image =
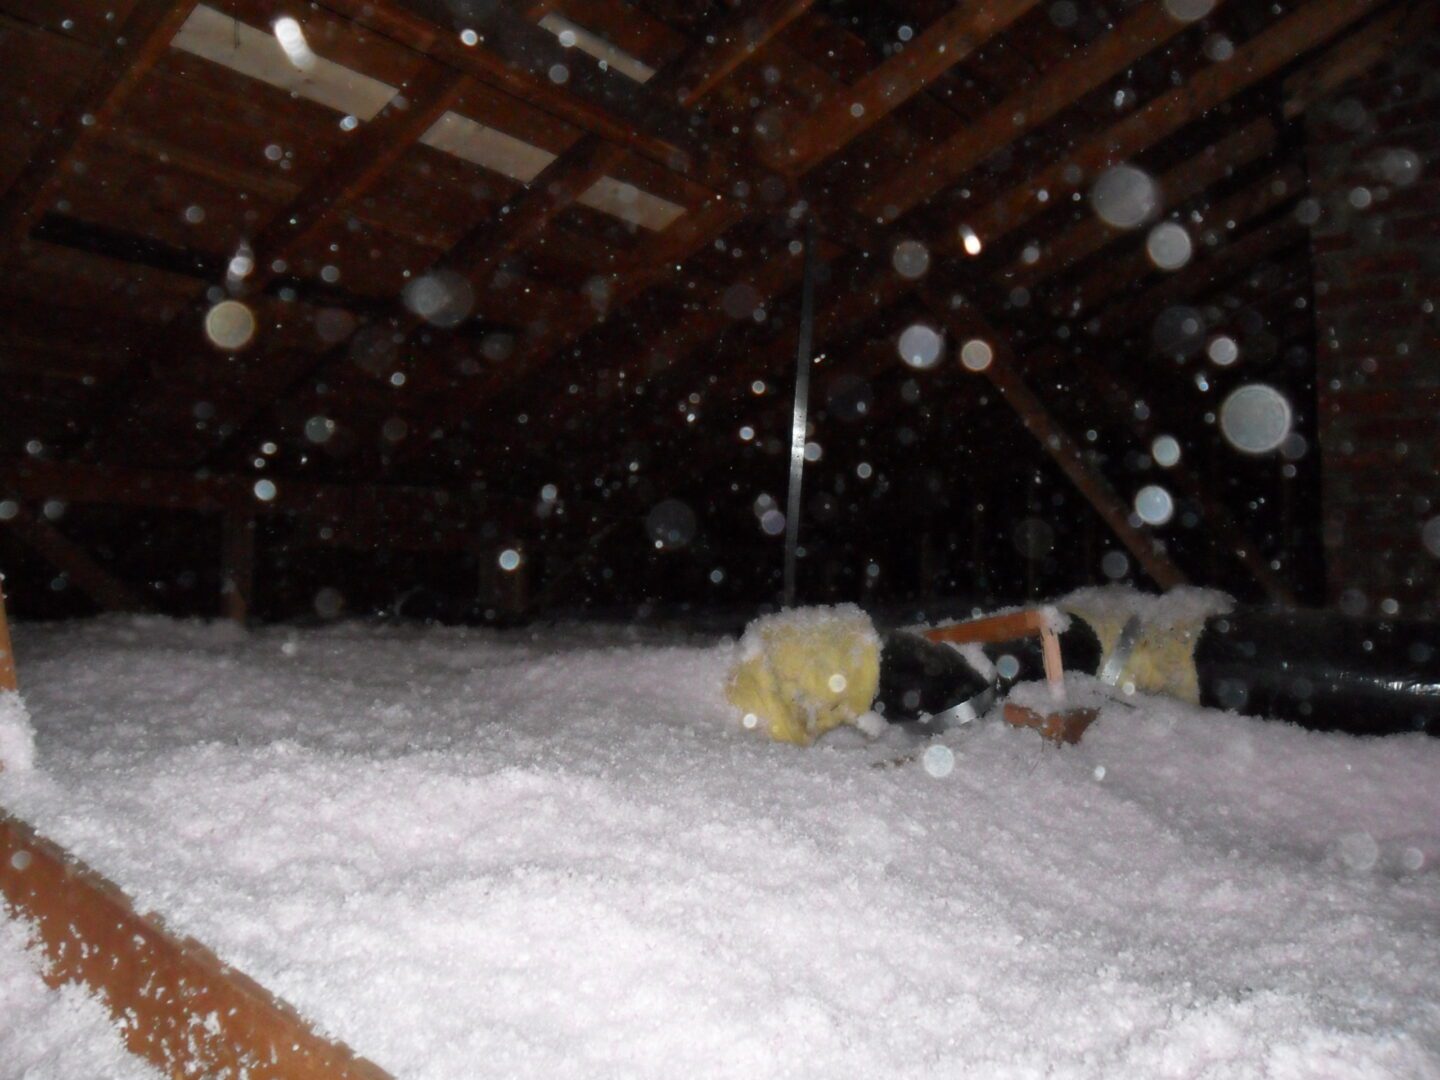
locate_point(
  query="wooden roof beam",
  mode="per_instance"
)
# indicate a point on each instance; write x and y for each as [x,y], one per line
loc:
[1202,274]
[1122,272]
[1177,187]
[1116,397]
[1306,28]
[941,167]
[830,128]
[60,551]
[1057,442]
[517,56]
[570,175]
[137,46]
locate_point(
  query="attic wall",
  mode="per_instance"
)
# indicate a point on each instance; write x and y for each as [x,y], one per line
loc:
[1374,158]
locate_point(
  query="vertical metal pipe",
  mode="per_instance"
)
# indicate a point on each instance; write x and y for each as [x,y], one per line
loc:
[799,416]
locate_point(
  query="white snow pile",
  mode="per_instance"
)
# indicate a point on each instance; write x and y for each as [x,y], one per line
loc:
[558,855]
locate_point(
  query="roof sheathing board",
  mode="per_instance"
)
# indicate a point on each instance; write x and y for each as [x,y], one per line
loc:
[236,45]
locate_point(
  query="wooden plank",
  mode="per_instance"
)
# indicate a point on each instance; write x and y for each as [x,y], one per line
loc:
[1149,27]
[1118,399]
[94,580]
[1260,57]
[177,1004]
[237,564]
[1134,268]
[516,56]
[1355,55]
[1181,184]
[1236,257]
[135,48]
[947,41]
[1063,449]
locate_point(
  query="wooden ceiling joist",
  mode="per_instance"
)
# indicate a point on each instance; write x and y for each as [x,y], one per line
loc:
[136,47]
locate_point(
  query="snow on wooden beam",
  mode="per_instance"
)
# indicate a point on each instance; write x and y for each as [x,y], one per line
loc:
[137,45]
[176,1003]
[55,547]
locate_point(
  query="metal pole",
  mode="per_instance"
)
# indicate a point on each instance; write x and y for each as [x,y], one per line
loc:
[800,415]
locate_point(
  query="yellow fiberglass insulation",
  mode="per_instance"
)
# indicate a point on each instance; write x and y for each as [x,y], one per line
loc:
[805,671]
[1163,658]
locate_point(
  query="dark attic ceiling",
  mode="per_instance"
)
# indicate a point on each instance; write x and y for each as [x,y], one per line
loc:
[534,268]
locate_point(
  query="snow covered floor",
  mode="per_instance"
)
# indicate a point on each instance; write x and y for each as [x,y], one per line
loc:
[469,854]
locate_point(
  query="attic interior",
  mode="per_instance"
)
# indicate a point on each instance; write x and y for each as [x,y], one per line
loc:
[482,311]
[599,330]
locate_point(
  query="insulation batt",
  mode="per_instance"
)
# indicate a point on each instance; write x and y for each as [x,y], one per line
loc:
[558,854]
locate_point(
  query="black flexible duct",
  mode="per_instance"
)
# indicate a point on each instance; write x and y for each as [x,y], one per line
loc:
[1315,668]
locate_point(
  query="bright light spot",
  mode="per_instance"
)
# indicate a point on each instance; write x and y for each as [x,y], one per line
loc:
[319,429]
[813,451]
[837,683]
[1031,255]
[1166,451]
[670,525]
[911,259]
[549,493]
[1115,565]
[920,346]
[750,720]
[265,490]
[1359,851]
[1430,534]
[1189,10]
[1007,667]
[559,73]
[1222,350]
[939,761]
[1255,418]
[241,263]
[1168,246]
[469,38]
[229,325]
[857,110]
[1124,197]
[442,299]
[1399,166]
[773,522]
[194,215]
[349,123]
[9,509]
[1099,772]
[864,472]
[970,241]
[757,387]
[976,354]
[567,39]
[509,560]
[1218,48]
[1153,505]
[747,433]
[292,41]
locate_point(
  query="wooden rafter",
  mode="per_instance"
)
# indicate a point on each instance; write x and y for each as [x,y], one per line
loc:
[136,47]
[531,210]
[1062,448]
[356,170]
[177,1005]
[59,550]
[1177,187]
